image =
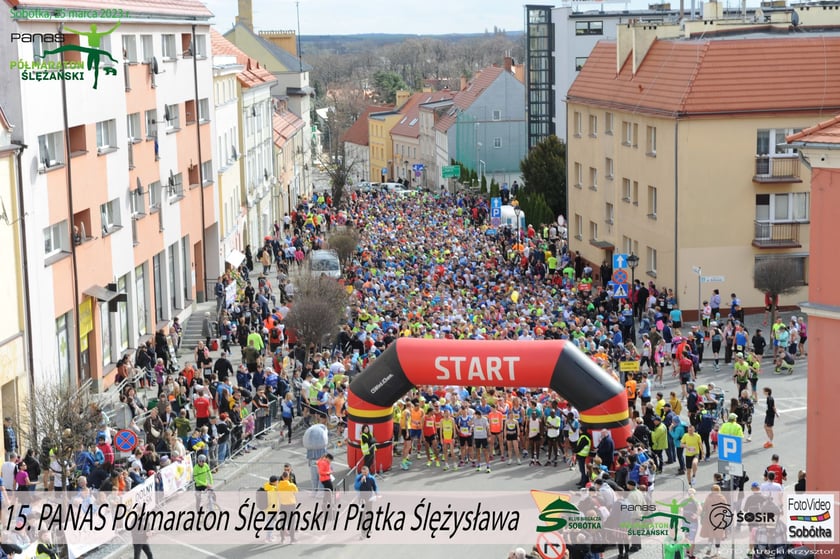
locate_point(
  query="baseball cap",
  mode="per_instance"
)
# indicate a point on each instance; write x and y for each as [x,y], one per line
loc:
[755,485]
[739,354]
[733,416]
[657,418]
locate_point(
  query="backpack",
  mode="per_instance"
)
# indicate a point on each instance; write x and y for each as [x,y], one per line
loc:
[262,498]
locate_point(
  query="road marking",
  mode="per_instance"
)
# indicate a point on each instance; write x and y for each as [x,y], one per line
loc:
[203,552]
[793,409]
[258,477]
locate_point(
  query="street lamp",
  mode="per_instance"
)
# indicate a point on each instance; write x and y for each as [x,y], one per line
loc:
[633,261]
[516,212]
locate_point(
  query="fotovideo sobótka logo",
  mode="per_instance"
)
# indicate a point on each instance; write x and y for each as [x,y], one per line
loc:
[811,518]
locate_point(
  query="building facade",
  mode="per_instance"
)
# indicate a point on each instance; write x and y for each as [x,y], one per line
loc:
[15,357]
[289,140]
[121,218]
[685,169]
[406,137]
[356,143]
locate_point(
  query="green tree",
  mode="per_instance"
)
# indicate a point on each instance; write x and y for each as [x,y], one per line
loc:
[536,209]
[544,172]
[484,184]
[387,84]
[494,189]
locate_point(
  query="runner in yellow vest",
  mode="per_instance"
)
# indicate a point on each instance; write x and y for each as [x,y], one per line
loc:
[447,438]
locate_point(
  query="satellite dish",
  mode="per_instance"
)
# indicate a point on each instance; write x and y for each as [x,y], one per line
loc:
[794,18]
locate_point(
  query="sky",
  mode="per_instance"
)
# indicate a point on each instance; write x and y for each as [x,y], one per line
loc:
[348,17]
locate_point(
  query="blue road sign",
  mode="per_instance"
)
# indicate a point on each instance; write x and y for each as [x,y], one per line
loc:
[620,291]
[729,448]
[385,171]
[125,440]
[417,167]
[619,261]
[495,207]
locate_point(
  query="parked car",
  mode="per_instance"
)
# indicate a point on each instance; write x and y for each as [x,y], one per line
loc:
[325,263]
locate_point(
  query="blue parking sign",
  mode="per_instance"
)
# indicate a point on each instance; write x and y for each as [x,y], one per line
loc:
[729,448]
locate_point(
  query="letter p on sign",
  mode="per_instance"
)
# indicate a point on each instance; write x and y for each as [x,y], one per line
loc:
[729,448]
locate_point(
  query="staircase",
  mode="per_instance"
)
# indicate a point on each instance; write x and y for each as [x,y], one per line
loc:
[191,331]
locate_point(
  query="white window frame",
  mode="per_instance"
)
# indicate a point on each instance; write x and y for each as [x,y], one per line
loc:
[497,142]
[174,122]
[593,126]
[794,201]
[609,123]
[625,189]
[106,135]
[54,145]
[651,261]
[497,114]
[578,116]
[609,213]
[578,175]
[137,203]
[651,141]
[593,178]
[111,216]
[151,124]
[578,226]
[38,51]
[155,196]
[579,62]
[204,110]
[105,330]
[129,45]
[593,230]
[653,201]
[133,127]
[58,237]
[200,46]
[609,168]
[207,172]
[176,192]
[147,48]
[168,47]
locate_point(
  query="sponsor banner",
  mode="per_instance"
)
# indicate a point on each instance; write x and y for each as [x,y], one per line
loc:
[544,518]
[176,476]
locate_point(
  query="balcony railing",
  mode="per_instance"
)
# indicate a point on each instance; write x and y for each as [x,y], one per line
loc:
[776,234]
[777,168]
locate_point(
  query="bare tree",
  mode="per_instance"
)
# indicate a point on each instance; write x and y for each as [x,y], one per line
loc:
[339,170]
[319,307]
[776,277]
[344,244]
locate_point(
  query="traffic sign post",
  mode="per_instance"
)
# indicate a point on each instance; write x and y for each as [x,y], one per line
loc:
[729,448]
[495,211]
[619,276]
[621,290]
[125,440]
[619,261]
[450,171]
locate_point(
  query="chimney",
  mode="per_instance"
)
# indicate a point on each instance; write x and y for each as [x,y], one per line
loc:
[464,83]
[508,64]
[402,97]
[246,14]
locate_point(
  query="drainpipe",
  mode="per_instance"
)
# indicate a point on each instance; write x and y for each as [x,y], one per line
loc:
[27,307]
[200,167]
[73,262]
[676,203]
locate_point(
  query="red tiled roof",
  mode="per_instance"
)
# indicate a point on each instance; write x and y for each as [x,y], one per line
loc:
[285,125]
[409,125]
[826,132]
[253,74]
[463,99]
[679,77]
[358,133]
[193,8]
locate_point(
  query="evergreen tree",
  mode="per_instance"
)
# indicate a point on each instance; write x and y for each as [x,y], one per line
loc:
[544,172]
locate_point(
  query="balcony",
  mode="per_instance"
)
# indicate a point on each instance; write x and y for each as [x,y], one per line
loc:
[776,235]
[777,169]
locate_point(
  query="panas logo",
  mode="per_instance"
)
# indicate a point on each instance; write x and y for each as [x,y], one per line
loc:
[94,53]
[810,518]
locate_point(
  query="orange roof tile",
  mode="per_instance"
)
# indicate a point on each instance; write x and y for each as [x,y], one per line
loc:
[463,99]
[695,77]
[193,8]
[285,125]
[253,74]
[826,132]
[359,131]
[409,125]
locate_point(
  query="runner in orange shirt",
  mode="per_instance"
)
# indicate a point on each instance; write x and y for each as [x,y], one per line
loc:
[497,420]
[415,432]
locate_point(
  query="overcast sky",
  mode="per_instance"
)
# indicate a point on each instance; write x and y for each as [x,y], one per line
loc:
[348,17]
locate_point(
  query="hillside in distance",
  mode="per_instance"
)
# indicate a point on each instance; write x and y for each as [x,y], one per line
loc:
[347,44]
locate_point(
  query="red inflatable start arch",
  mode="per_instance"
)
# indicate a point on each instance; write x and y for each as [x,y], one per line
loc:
[410,362]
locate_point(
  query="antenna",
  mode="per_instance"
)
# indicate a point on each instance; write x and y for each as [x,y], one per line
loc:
[300,52]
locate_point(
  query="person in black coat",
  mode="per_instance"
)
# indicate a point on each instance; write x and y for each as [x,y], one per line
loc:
[606,449]
[33,468]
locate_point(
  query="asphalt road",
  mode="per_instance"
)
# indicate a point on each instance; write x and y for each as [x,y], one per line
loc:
[251,470]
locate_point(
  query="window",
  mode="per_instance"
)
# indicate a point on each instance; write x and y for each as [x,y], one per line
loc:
[154,196]
[578,227]
[122,311]
[578,124]
[172,116]
[129,44]
[207,172]
[593,231]
[142,300]
[497,114]
[578,175]
[609,122]
[167,46]
[609,213]
[793,206]
[105,320]
[651,261]
[626,245]
[799,265]
[652,202]
[635,193]
[78,140]
[201,46]
[651,140]
[609,168]
[189,112]
[56,239]
[593,178]
[62,339]
[157,279]
[204,110]
[38,50]
[110,213]
[186,45]
[176,187]
[772,141]
[589,28]
[106,135]
[51,150]
[132,122]
[151,124]
[105,44]
[148,49]
[497,142]
[593,125]
[630,133]
[579,62]
[625,189]
[137,202]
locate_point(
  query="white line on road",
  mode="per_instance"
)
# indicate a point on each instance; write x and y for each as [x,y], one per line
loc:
[203,552]
[258,477]
[793,409]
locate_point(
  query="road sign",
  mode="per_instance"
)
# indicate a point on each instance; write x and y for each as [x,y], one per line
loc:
[125,440]
[450,171]
[495,207]
[632,366]
[619,261]
[621,290]
[385,171]
[417,167]
[712,279]
[729,448]
[619,276]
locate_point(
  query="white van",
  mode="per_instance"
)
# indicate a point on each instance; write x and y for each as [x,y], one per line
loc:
[325,263]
